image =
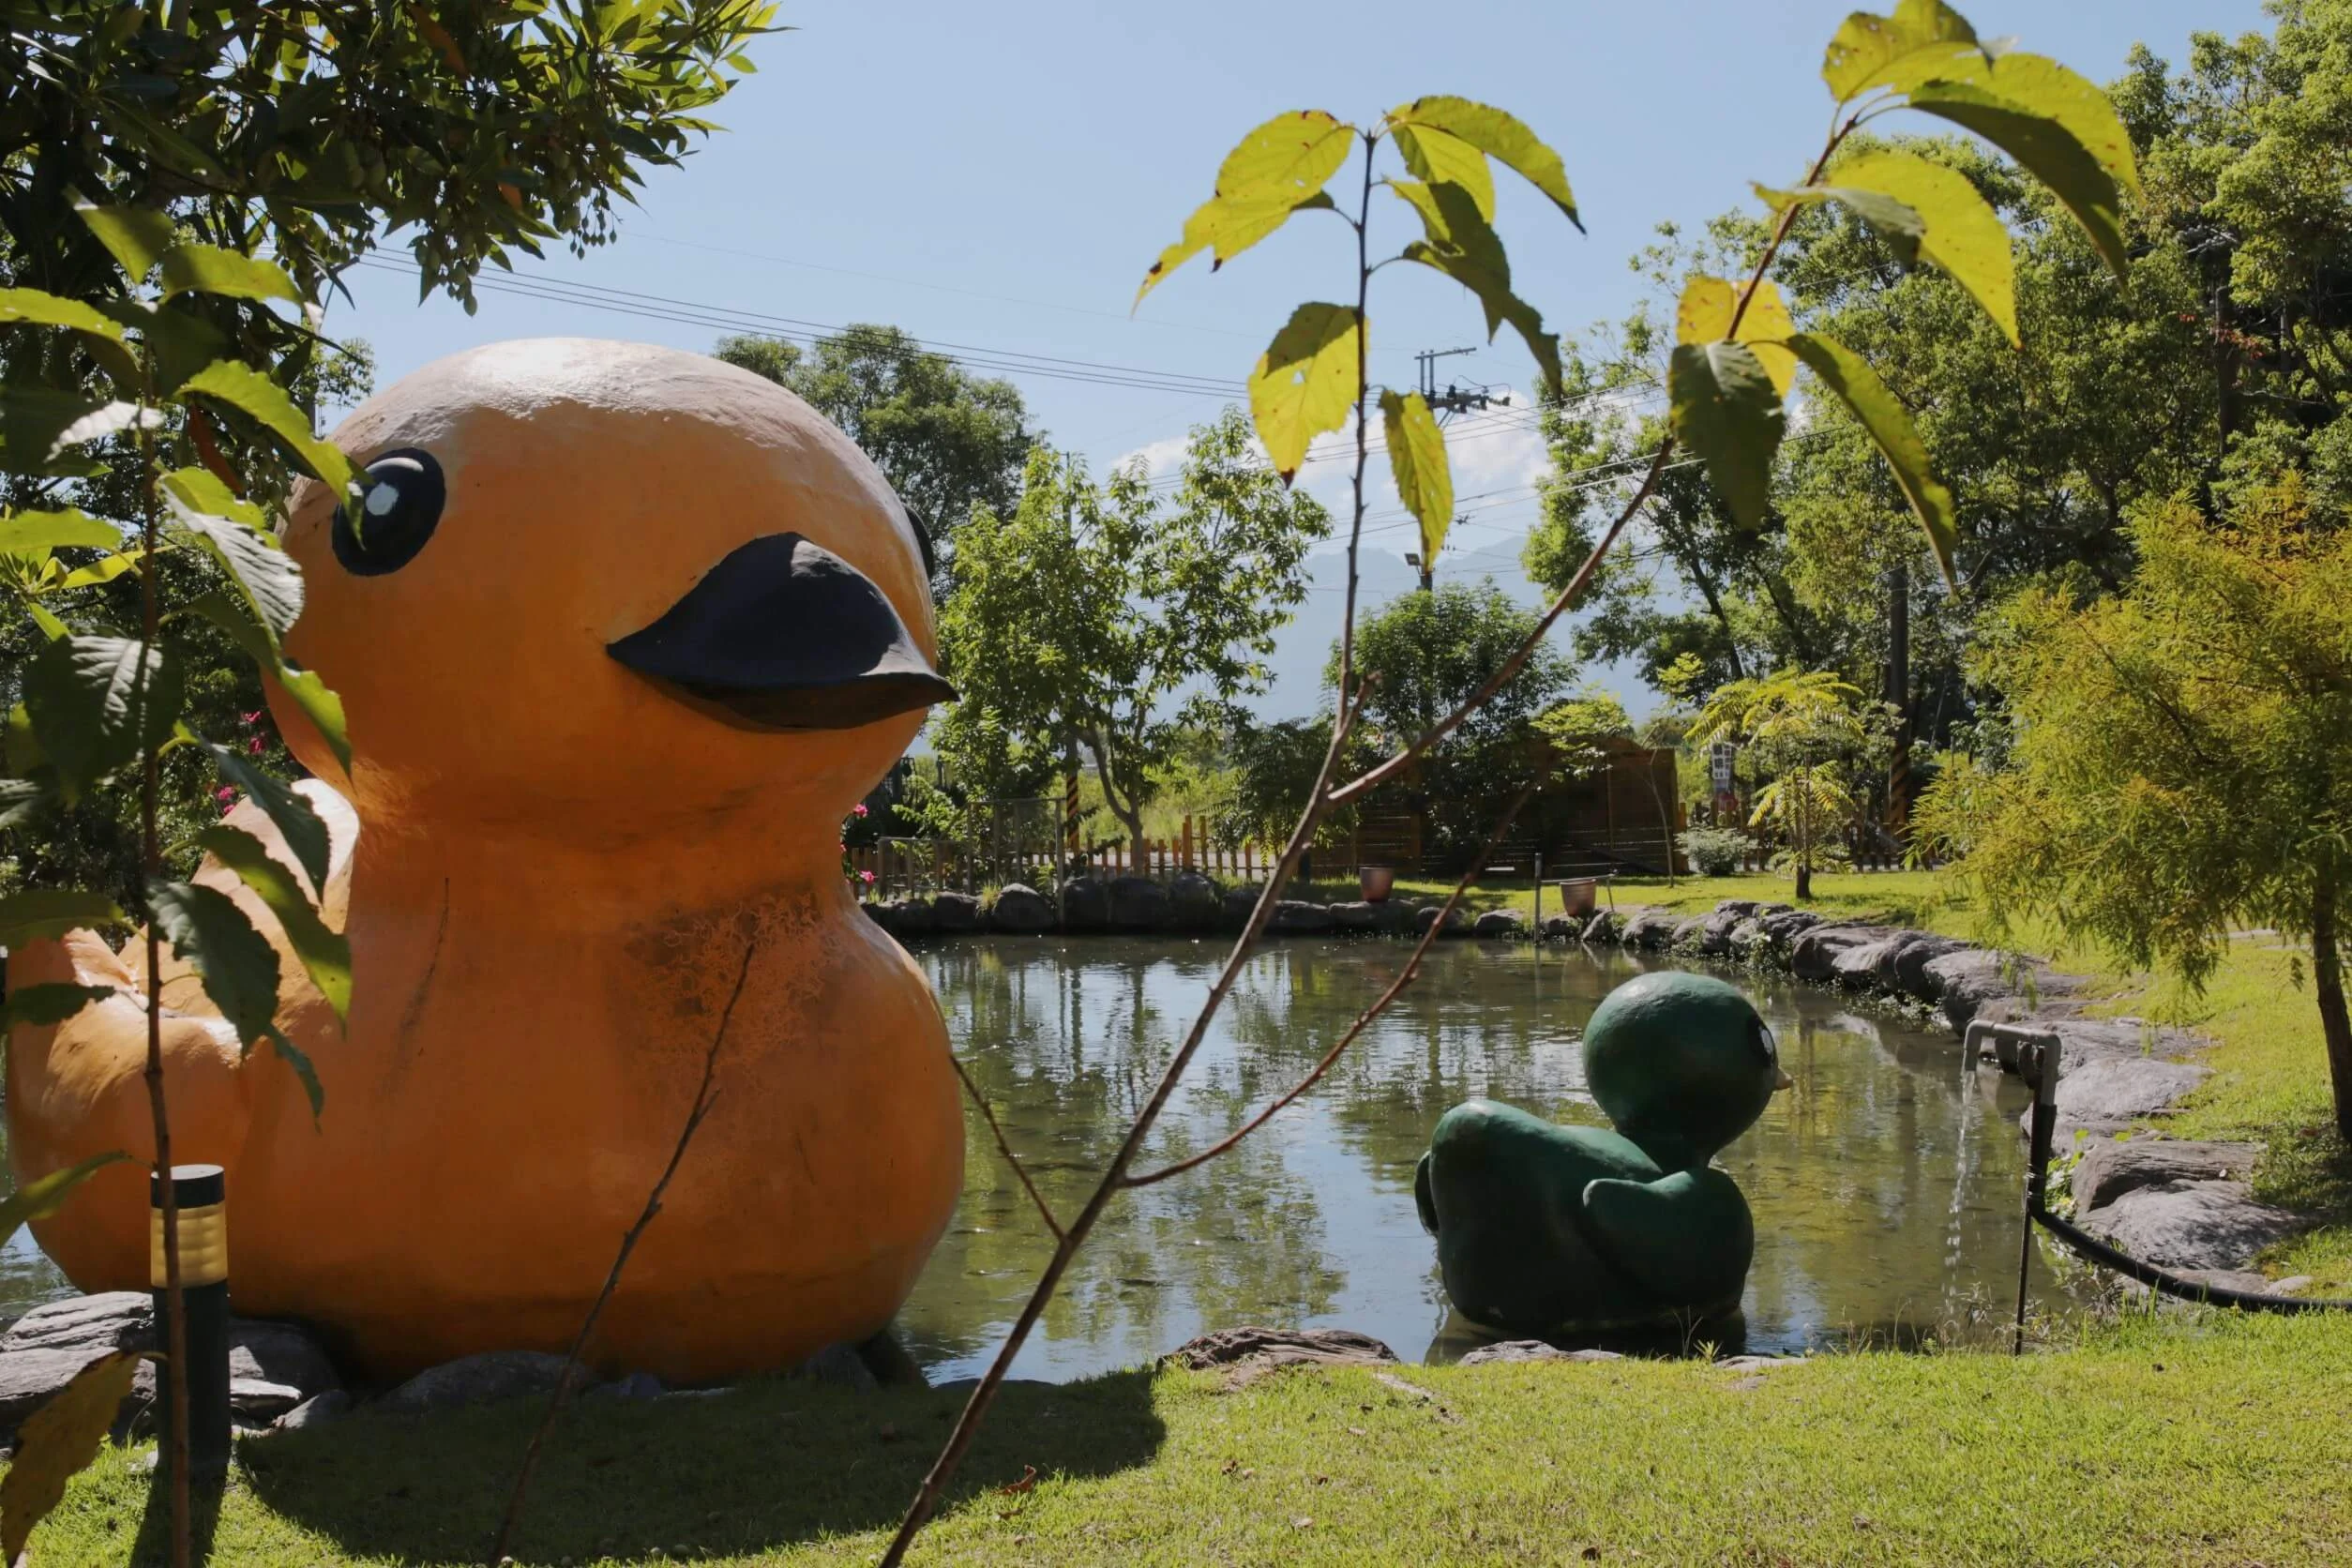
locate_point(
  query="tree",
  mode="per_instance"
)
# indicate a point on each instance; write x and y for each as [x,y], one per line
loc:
[2182,755]
[1424,654]
[1807,734]
[1078,619]
[947,440]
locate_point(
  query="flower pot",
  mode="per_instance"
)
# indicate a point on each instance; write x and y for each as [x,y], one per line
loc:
[1575,895]
[1376,882]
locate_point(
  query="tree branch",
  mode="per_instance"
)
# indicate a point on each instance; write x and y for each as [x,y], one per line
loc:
[1364,1019]
[706,1096]
[1005,1149]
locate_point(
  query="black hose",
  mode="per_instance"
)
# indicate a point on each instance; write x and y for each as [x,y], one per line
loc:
[2088,1246]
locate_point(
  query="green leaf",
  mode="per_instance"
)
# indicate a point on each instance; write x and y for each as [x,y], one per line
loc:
[1704,316]
[1461,244]
[2038,86]
[1724,409]
[36,532]
[137,236]
[51,911]
[39,1199]
[199,490]
[26,758]
[1844,372]
[105,570]
[39,426]
[179,345]
[317,701]
[1499,135]
[325,954]
[2045,150]
[18,798]
[208,269]
[1278,169]
[1305,382]
[264,574]
[95,704]
[58,1441]
[34,308]
[1953,226]
[1866,48]
[1434,157]
[239,967]
[1417,459]
[1898,225]
[305,833]
[245,389]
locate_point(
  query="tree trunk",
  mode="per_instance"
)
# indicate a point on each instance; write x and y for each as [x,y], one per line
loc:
[1804,878]
[1898,693]
[2335,1026]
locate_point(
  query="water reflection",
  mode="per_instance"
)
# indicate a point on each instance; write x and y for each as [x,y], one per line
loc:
[1885,1186]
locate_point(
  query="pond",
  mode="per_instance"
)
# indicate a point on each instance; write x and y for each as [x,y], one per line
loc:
[1885,1185]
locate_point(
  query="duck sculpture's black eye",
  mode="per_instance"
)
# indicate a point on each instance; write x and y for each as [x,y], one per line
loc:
[394,513]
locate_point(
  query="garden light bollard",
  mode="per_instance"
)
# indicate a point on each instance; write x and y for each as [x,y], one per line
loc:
[2038,1056]
[203,1193]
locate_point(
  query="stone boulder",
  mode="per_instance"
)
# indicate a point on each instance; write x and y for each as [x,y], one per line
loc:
[1456,923]
[478,1379]
[1813,956]
[1137,904]
[838,1367]
[1021,910]
[1738,909]
[1563,928]
[1192,902]
[1784,926]
[1971,979]
[1604,926]
[1511,1351]
[1503,924]
[2107,1096]
[1355,915]
[1688,933]
[1748,941]
[1234,912]
[904,917]
[1651,929]
[273,1367]
[1085,903]
[317,1410]
[1297,917]
[1857,968]
[2112,1167]
[1269,1348]
[2191,1225]
[1717,931]
[1903,958]
[955,912]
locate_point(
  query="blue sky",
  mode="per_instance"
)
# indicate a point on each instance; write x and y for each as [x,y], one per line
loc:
[998,179]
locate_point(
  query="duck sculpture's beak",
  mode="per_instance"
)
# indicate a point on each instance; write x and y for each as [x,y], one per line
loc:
[783,634]
[1781,1081]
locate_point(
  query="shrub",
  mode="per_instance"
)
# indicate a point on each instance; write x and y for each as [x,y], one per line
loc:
[1715,851]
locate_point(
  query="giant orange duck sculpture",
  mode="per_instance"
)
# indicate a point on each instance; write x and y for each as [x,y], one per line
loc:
[622,633]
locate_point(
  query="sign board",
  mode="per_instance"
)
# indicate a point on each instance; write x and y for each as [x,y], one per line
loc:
[1719,760]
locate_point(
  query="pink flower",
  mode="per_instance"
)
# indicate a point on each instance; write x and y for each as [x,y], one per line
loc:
[858,810]
[249,720]
[256,745]
[227,797]
[866,877]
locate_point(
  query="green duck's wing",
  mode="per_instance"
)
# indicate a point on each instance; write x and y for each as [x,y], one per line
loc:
[1687,1238]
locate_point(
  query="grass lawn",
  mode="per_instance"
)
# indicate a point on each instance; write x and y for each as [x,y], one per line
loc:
[2178,1444]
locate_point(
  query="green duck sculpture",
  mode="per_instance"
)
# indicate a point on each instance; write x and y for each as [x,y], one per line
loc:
[1548,1231]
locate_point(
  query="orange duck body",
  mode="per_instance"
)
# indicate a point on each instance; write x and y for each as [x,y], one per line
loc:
[609,703]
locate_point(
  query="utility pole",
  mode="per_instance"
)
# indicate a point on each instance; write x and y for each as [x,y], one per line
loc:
[1453,399]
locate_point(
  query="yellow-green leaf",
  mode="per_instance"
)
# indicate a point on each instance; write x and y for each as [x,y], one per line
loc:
[51,911]
[39,1199]
[36,308]
[58,1442]
[1435,158]
[136,236]
[1499,135]
[1844,372]
[1866,48]
[2046,151]
[1898,225]
[1704,316]
[1305,382]
[245,389]
[29,533]
[1959,232]
[1277,169]
[1461,244]
[325,955]
[208,269]
[1724,409]
[1417,460]
[2038,86]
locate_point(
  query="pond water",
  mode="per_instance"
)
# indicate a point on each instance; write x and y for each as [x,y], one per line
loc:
[1885,1185]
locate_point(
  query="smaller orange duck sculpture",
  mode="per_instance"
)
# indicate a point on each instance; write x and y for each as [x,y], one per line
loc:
[622,633]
